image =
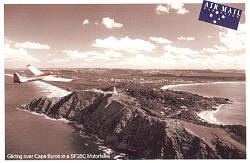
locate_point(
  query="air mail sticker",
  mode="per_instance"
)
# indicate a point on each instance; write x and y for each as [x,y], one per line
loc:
[220,14]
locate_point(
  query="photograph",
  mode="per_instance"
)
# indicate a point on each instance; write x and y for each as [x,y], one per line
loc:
[145,81]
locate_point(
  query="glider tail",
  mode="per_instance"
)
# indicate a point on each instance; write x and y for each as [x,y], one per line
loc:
[17,78]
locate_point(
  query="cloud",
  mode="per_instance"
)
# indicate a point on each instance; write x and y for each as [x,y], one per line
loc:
[92,55]
[209,36]
[110,23]
[17,57]
[112,54]
[172,58]
[180,61]
[32,45]
[85,22]
[17,54]
[7,41]
[234,40]
[181,58]
[215,49]
[124,44]
[179,7]
[74,54]
[160,9]
[160,40]
[186,38]
[176,6]
[58,60]
[184,51]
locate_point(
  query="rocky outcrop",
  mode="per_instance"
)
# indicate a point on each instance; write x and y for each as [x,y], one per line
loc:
[121,121]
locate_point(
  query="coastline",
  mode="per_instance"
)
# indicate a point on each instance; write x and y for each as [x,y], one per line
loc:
[44,116]
[178,85]
[207,115]
[190,84]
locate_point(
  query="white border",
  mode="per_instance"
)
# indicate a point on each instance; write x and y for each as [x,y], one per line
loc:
[112,1]
[2,99]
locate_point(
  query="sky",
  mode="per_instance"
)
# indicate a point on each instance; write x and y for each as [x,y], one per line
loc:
[150,36]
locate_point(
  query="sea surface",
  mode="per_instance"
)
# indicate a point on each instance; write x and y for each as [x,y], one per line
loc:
[234,113]
[29,133]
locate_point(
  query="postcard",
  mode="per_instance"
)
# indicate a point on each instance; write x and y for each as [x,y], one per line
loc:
[125,81]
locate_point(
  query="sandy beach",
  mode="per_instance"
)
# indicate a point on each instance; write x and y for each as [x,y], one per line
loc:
[192,84]
[179,85]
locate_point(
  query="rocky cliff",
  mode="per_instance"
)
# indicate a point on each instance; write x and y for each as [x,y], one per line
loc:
[128,125]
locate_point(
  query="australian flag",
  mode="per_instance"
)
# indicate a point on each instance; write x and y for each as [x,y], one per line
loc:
[219,14]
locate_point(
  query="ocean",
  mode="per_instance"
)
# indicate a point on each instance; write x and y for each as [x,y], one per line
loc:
[234,113]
